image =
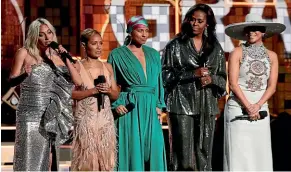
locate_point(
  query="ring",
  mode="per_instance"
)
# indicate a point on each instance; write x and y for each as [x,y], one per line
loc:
[205,82]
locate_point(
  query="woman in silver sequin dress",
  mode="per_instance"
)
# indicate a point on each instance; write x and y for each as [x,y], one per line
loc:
[94,144]
[44,114]
[253,73]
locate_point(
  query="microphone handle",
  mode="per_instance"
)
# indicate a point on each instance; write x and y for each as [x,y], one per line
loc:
[102,101]
[66,55]
[247,117]
[243,117]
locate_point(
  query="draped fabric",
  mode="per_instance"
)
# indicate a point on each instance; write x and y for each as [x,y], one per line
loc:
[140,137]
[43,117]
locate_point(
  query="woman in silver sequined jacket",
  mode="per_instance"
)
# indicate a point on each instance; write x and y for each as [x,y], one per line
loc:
[44,114]
[194,76]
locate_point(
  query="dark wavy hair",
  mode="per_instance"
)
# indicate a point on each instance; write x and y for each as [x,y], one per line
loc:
[187,30]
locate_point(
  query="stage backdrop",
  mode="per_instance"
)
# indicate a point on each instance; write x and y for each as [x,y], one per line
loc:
[109,17]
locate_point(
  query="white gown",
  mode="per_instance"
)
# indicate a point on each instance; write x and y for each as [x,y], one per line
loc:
[247,145]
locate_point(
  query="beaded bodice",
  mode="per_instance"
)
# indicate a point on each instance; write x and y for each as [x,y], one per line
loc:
[254,68]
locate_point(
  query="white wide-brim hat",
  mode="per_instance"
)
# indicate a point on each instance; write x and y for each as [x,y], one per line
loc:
[236,30]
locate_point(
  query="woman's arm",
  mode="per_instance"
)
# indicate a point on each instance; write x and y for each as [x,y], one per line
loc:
[233,74]
[218,80]
[160,88]
[171,75]
[15,76]
[74,69]
[272,81]
[82,94]
[114,90]
[75,74]
[119,104]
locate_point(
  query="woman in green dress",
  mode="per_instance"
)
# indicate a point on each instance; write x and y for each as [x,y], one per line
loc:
[137,69]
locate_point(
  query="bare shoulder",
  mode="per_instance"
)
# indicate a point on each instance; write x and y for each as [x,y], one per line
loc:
[236,53]
[84,63]
[237,50]
[77,66]
[21,53]
[18,62]
[109,67]
[272,55]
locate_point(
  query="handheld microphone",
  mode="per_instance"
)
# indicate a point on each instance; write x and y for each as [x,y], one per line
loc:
[130,107]
[64,55]
[262,114]
[101,79]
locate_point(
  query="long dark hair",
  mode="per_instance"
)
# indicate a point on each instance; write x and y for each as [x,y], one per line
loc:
[187,30]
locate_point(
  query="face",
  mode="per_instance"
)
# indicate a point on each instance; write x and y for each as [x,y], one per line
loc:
[94,46]
[254,34]
[45,36]
[198,22]
[140,35]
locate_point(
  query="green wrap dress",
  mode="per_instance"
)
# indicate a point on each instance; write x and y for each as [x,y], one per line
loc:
[139,132]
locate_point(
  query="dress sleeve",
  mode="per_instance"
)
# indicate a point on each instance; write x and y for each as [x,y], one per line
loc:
[160,88]
[219,79]
[170,72]
[122,99]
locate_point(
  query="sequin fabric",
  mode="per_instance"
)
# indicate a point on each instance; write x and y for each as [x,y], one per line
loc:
[187,99]
[254,68]
[43,117]
[183,92]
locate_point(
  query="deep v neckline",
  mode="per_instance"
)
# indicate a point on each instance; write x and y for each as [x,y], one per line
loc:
[89,74]
[199,52]
[144,70]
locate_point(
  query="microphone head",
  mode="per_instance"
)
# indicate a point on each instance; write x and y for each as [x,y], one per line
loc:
[130,106]
[263,114]
[54,45]
[101,79]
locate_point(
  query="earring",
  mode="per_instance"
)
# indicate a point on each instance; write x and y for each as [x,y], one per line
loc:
[85,51]
[130,40]
[205,32]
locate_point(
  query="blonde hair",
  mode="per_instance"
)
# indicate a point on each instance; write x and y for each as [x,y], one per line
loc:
[86,34]
[33,35]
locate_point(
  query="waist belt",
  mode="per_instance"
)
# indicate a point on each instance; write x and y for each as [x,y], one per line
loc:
[140,88]
[133,89]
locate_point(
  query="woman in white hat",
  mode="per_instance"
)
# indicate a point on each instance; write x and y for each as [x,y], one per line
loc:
[253,73]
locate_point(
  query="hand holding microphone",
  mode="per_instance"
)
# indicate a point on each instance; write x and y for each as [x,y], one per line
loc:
[64,54]
[121,110]
[246,116]
[103,88]
[101,85]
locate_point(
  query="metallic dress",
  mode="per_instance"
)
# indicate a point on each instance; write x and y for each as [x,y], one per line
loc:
[43,118]
[192,108]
